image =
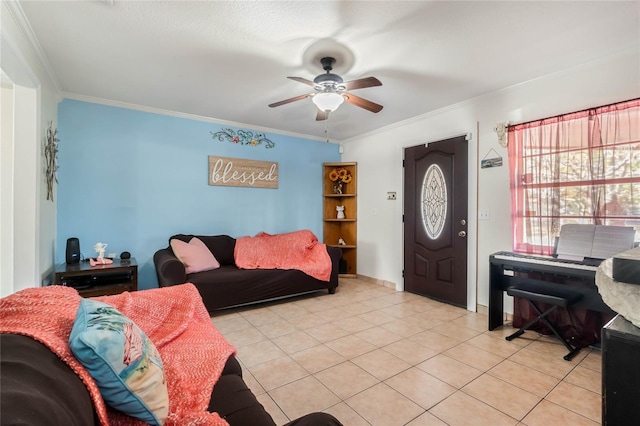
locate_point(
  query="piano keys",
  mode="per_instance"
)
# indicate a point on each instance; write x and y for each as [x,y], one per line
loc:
[507,269]
[551,262]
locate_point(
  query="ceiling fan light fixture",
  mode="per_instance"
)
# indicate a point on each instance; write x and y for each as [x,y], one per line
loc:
[330,91]
[327,101]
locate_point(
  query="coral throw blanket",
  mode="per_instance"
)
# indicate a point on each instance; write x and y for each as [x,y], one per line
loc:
[294,250]
[193,351]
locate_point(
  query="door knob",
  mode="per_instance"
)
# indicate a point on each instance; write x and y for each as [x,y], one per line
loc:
[462,234]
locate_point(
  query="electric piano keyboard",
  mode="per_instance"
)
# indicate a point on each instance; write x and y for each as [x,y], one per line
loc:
[507,269]
[587,265]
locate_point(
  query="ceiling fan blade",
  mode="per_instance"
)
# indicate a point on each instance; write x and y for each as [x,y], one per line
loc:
[362,103]
[322,115]
[361,83]
[286,101]
[303,81]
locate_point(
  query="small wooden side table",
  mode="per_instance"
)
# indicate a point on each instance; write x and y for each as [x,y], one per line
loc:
[102,280]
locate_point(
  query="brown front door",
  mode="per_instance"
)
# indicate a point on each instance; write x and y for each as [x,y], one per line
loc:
[435,220]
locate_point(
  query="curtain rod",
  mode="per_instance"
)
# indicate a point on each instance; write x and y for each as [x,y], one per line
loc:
[574,112]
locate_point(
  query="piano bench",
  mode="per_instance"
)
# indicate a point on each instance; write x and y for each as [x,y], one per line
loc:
[557,297]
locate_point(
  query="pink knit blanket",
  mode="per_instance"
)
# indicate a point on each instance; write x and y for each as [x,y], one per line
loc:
[193,351]
[295,250]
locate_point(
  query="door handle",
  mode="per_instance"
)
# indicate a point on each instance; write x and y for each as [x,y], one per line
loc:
[462,234]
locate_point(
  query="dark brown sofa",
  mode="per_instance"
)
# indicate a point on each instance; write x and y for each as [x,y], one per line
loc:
[229,286]
[38,388]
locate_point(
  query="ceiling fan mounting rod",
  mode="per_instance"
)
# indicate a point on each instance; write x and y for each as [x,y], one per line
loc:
[328,81]
[327,63]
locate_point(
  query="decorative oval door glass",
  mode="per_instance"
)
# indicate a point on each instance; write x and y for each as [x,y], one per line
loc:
[434,201]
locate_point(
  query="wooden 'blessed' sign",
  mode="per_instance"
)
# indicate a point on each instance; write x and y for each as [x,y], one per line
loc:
[226,171]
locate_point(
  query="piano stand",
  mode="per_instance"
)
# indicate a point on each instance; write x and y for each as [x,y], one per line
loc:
[557,297]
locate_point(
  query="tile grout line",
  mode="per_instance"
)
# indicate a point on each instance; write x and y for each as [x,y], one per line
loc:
[377,300]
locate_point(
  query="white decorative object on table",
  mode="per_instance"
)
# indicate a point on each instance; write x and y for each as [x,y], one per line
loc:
[340,210]
[100,248]
[623,298]
[341,242]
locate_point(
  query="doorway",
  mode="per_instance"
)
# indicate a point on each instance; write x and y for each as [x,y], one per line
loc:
[435,220]
[19,174]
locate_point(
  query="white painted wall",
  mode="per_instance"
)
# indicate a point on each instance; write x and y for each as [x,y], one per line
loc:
[6,188]
[379,156]
[34,103]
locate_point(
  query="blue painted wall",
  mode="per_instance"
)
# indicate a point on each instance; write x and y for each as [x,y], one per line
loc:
[132,179]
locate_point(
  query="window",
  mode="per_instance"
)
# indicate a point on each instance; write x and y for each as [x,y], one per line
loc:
[582,167]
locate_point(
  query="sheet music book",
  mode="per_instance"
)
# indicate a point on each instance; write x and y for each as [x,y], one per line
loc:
[597,241]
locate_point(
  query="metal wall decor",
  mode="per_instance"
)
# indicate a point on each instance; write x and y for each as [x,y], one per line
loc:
[51,159]
[243,137]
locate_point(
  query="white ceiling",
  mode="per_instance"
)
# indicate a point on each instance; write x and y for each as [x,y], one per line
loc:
[228,60]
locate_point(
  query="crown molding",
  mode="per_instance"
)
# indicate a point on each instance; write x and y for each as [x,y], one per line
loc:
[16,12]
[125,105]
[567,71]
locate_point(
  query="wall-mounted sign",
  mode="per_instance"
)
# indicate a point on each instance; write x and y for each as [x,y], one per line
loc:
[496,161]
[226,171]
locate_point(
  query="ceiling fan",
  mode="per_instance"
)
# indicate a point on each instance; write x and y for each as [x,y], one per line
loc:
[331,91]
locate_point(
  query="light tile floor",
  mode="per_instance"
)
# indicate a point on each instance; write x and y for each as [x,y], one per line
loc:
[372,356]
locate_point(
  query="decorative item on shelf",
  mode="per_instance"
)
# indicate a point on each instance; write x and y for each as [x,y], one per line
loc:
[243,137]
[51,159]
[501,130]
[341,242]
[339,176]
[100,248]
[340,210]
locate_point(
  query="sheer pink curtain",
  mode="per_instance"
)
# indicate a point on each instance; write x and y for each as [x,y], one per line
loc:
[582,167]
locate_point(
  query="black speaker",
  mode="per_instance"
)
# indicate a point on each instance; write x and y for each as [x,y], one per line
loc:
[73,251]
[620,371]
[125,255]
[342,266]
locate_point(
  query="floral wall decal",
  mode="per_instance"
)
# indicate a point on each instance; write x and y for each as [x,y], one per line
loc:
[243,137]
[51,159]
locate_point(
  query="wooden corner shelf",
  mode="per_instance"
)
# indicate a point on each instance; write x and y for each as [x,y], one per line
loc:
[346,228]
